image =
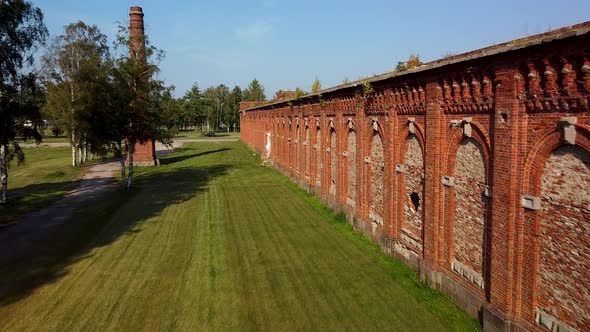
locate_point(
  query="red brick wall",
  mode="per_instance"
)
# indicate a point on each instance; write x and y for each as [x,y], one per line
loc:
[412,194]
[496,149]
[564,257]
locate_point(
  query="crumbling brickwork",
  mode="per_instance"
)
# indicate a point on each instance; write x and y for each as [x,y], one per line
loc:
[351,159]
[474,169]
[413,190]
[564,260]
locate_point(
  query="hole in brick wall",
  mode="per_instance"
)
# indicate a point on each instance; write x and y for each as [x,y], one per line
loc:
[504,116]
[415,200]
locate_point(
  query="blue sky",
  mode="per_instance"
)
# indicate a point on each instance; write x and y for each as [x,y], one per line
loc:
[287,44]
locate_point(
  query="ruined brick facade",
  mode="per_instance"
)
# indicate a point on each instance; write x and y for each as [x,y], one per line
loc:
[474,169]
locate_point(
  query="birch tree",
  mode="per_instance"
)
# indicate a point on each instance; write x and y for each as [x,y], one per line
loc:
[140,99]
[21,32]
[74,64]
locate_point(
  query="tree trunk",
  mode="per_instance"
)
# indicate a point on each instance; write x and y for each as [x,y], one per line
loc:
[79,154]
[122,161]
[131,152]
[84,152]
[4,172]
[73,143]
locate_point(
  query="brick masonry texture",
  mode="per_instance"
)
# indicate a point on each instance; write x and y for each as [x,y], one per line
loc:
[351,159]
[333,163]
[468,224]
[474,169]
[377,163]
[414,190]
[564,260]
[319,154]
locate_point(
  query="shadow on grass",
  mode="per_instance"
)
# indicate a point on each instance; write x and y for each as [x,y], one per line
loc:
[172,160]
[33,197]
[100,224]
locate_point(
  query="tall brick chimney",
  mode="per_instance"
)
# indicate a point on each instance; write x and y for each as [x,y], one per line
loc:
[136,33]
[145,154]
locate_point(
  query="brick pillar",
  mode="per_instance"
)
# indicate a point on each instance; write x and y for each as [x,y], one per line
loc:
[363,149]
[392,160]
[507,120]
[433,191]
[145,154]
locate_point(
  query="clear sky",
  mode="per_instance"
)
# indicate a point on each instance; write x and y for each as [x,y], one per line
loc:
[287,44]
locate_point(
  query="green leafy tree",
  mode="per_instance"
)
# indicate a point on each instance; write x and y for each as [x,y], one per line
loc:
[316,86]
[233,116]
[254,92]
[139,98]
[21,32]
[76,66]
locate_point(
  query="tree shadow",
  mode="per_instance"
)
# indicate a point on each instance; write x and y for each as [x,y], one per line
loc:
[175,159]
[32,197]
[95,225]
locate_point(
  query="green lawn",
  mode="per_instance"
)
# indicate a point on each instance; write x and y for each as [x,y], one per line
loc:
[45,177]
[213,240]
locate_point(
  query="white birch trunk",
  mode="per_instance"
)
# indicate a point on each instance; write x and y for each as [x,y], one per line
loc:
[84,153]
[130,179]
[73,143]
[122,161]
[79,154]
[4,172]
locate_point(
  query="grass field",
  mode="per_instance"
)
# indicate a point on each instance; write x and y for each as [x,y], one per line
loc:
[212,240]
[45,177]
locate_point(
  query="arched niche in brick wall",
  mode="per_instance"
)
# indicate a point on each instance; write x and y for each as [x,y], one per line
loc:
[307,149]
[297,145]
[411,187]
[557,231]
[376,174]
[351,168]
[319,160]
[467,196]
[333,161]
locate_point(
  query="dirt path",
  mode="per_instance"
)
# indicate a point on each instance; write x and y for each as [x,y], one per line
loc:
[99,181]
[19,237]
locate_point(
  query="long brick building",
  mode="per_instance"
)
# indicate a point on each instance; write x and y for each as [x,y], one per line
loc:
[474,169]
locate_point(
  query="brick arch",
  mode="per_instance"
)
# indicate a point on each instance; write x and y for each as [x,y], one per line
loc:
[319,160]
[550,239]
[405,133]
[307,149]
[333,170]
[297,145]
[537,156]
[411,191]
[467,210]
[376,176]
[479,134]
[351,167]
[379,130]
